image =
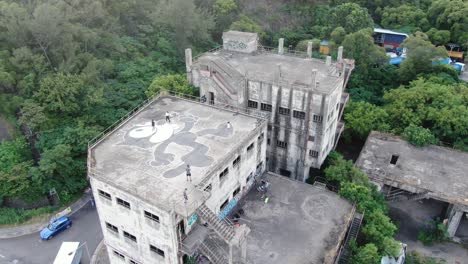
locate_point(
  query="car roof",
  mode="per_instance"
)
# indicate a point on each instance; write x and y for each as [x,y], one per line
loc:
[61,220]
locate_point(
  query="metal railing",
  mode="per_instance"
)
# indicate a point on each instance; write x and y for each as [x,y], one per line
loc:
[207,52]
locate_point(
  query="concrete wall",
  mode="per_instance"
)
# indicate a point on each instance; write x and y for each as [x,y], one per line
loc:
[133,221]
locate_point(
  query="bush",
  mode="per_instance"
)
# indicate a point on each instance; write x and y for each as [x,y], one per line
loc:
[434,232]
[419,136]
[10,216]
[415,258]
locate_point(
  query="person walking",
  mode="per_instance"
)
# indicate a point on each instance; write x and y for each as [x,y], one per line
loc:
[189,173]
[168,117]
[153,124]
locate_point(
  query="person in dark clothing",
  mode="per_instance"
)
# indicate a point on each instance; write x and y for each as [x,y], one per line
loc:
[168,117]
[153,124]
[189,173]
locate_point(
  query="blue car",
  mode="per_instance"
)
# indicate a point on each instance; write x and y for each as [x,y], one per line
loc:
[55,227]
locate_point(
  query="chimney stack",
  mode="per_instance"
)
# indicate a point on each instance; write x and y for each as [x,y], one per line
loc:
[309,49]
[281,46]
[328,61]
[340,54]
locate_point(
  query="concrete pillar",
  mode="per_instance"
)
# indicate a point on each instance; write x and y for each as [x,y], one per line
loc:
[230,254]
[314,77]
[340,54]
[244,251]
[279,75]
[328,61]
[281,46]
[188,64]
[309,49]
[454,218]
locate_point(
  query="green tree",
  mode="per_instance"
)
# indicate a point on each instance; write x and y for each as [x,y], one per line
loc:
[367,254]
[338,35]
[405,16]
[360,47]
[224,7]
[451,15]
[351,17]
[246,24]
[438,37]
[172,82]
[363,117]
[418,136]
[419,56]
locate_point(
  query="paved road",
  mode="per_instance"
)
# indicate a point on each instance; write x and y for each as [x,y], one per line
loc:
[30,249]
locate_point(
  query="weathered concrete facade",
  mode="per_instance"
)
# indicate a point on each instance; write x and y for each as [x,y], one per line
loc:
[415,173]
[303,97]
[147,207]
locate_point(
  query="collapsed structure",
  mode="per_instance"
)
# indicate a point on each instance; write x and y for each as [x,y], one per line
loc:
[406,172]
[151,212]
[303,97]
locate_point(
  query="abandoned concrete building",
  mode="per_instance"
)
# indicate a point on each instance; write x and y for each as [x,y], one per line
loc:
[303,97]
[150,211]
[405,172]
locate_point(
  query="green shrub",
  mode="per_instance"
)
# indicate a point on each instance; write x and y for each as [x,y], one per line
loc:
[10,216]
[416,258]
[434,232]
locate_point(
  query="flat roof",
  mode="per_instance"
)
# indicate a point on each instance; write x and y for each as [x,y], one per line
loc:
[246,36]
[263,66]
[439,170]
[301,223]
[150,163]
[387,31]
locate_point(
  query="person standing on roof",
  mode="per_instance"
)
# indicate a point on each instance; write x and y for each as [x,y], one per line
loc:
[185,196]
[153,124]
[168,118]
[189,173]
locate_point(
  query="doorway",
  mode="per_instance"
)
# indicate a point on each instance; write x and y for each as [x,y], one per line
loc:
[211,97]
[181,230]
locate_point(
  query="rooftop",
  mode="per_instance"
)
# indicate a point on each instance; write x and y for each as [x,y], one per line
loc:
[150,162]
[246,36]
[263,66]
[295,226]
[439,170]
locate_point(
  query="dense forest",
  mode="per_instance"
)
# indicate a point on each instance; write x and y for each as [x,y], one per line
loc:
[70,68]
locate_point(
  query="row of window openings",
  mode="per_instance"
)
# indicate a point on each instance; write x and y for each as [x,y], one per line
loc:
[282,144]
[126,204]
[284,111]
[131,237]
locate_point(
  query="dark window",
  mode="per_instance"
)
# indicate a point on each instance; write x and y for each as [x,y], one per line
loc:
[337,106]
[104,194]
[268,141]
[313,153]
[123,203]
[236,161]
[394,159]
[236,191]
[260,165]
[119,255]
[130,236]
[250,147]
[133,262]
[285,172]
[284,111]
[299,114]
[311,138]
[152,216]
[281,144]
[249,177]
[269,128]
[317,118]
[157,250]
[224,173]
[208,188]
[260,138]
[265,107]
[252,104]
[112,228]
[224,204]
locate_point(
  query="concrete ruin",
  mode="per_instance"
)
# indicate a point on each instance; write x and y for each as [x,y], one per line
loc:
[302,96]
[408,172]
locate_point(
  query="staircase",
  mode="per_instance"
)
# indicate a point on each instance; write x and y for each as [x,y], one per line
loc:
[397,195]
[352,235]
[222,227]
[213,252]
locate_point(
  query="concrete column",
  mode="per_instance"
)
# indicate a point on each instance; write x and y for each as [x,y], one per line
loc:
[340,54]
[244,251]
[454,219]
[279,71]
[281,46]
[314,78]
[188,64]
[328,61]
[230,254]
[309,49]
